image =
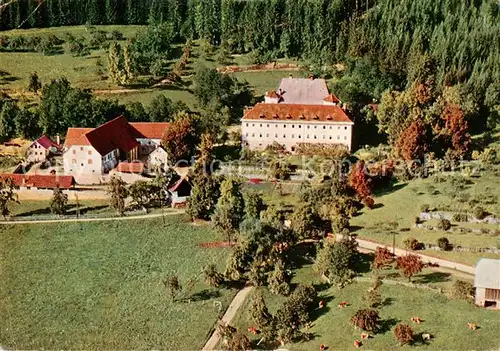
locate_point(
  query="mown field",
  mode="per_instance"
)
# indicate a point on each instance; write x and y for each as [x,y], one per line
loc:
[27,208]
[445,319]
[100,285]
[396,209]
[82,71]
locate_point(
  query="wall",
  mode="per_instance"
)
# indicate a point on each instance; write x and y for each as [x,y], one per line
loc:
[259,134]
[109,161]
[37,153]
[81,159]
[480,296]
[148,145]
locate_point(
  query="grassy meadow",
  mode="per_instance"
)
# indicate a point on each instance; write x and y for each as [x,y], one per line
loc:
[82,71]
[445,319]
[100,285]
[26,208]
[396,209]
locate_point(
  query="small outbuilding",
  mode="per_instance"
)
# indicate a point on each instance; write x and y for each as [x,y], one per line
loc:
[487,283]
[40,149]
[180,192]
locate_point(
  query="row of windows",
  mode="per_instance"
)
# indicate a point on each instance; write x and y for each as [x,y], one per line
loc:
[298,126]
[89,161]
[298,136]
[81,149]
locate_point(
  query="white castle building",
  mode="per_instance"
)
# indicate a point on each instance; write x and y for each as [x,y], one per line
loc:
[300,111]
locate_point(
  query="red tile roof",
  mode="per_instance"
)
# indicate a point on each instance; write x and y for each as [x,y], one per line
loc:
[130,167]
[318,113]
[272,94]
[115,134]
[45,181]
[332,98]
[150,130]
[46,142]
[76,136]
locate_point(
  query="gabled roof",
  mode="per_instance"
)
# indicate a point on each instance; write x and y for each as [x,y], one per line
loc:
[487,274]
[115,134]
[46,181]
[296,112]
[149,130]
[178,183]
[46,142]
[303,91]
[76,136]
[272,94]
[332,98]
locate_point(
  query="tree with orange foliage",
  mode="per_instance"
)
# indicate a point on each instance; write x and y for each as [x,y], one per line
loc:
[383,257]
[409,264]
[456,130]
[360,181]
[180,139]
[412,144]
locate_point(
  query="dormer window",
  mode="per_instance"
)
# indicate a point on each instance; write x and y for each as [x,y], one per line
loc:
[316,117]
[302,117]
[275,116]
[262,115]
[288,116]
[329,117]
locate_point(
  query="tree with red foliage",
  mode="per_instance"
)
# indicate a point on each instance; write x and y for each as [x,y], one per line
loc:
[403,333]
[360,181]
[412,144]
[383,257]
[180,139]
[409,264]
[456,130]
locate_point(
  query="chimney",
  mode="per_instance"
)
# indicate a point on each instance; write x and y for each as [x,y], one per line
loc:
[58,140]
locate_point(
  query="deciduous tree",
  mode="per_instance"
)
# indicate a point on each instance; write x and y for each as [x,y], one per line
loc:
[7,194]
[180,140]
[59,202]
[118,193]
[229,211]
[409,265]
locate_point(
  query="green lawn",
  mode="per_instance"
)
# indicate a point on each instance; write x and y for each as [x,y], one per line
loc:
[42,207]
[100,285]
[398,207]
[445,319]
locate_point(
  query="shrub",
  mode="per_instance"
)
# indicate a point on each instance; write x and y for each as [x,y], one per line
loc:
[366,319]
[403,333]
[117,35]
[383,257]
[460,217]
[409,264]
[425,208]
[444,224]
[412,244]
[444,244]
[463,290]
[479,213]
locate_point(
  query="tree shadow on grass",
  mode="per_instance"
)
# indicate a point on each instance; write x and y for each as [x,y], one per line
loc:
[387,324]
[418,339]
[203,295]
[392,187]
[387,301]
[317,312]
[434,277]
[364,264]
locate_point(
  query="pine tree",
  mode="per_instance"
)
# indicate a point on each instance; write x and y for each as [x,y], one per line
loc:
[279,280]
[127,64]
[34,84]
[115,64]
[111,11]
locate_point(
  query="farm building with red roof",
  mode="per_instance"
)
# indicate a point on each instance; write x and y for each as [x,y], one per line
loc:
[97,151]
[40,181]
[301,111]
[41,148]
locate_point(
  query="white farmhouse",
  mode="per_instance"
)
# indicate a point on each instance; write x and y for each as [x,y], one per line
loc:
[97,151]
[41,148]
[301,111]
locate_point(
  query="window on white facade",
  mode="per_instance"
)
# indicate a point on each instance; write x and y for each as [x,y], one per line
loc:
[284,125]
[275,135]
[74,152]
[330,137]
[323,137]
[73,161]
[247,124]
[345,128]
[307,136]
[253,134]
[345,138]
[261,124]
[314,127]
[90,152]
[267,135]
[324,127]
[300,126]
[338,127]
[338,137]
[81,148]
[89,161]
[307,127]
[260,135]
[284,135]
[246,134]
[315,137]
[293,125]
[300,136]
[268,126]
[293,135]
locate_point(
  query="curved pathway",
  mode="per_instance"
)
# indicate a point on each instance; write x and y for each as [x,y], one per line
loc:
[96,219]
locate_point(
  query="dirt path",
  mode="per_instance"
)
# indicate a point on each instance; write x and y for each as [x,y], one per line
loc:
[97,219]
[119,91]
[228,316]
[455,272]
